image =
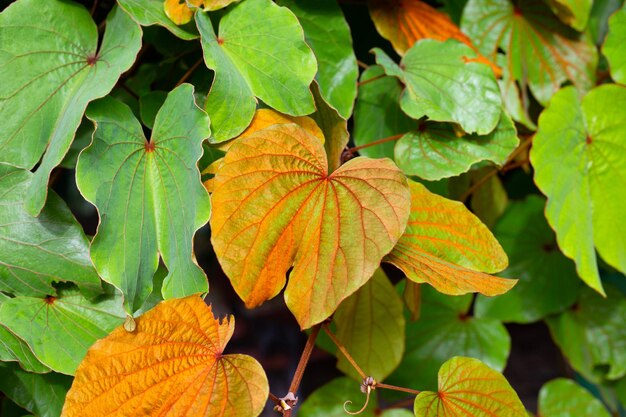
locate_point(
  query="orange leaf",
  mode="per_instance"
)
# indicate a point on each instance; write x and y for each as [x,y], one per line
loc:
[178,11]
[404,22]
[442,240]
[469,388]
[172,364]
[275,206]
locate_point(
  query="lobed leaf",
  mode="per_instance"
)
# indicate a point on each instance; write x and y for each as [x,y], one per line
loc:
[250,60]
[155,183]
[442,83]
[275,206]
[171,364]
[579,159]
[446,254]
[468,388]
[50,53]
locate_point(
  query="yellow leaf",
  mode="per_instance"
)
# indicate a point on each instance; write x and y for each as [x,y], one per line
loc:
[404,22]
[171,364]
[178,11]
[275,206]
[446,246]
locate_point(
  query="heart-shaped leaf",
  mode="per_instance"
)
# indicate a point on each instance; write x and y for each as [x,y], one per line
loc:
[328,34]
[445,254]
[574,13]
[469,388]
[592,335]
[579,156]
[173,363]
[435,150]
[443,84]
[370,325]
[38,251]
[565,398]
[275,206]
[59,330]
[156,183]
[152,12]
[614,45]
[50,53]
[548,282]
[445,329]
[268,61]
[542,51]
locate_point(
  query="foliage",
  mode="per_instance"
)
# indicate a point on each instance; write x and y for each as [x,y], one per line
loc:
[382,191]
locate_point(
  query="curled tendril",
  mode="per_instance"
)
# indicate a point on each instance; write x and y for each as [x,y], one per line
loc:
[367,386]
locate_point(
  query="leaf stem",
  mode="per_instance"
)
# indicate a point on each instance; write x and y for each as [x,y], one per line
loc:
[304,359]
[189,72]
[369,80]
[376,142]
[396,388]
[93,7]
[362,64]
[344,351]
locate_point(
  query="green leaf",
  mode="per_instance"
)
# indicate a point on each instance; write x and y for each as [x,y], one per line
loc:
[574,13]
[152,12]
[43,395]
[334,128]
[445,329]
[592,335]
[268,60]
[542,51]
[149,105]
[377,114]
[59,330]
[516,101]
[328,34]
[579,156]
[370,325]
[565,398]
[614,46]
[35,252]
[490,200]
[469,388]
[548,282]
[148,194]
[50,55]
[442,84]
[599,20]
[328,401]
[435,150]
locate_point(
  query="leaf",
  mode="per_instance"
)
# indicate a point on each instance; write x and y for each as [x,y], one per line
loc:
[443,84]
[412,296]
[404,22]
[178,11]
[152,12]
[613,47]
[516,100]
[444,245]
[579,159]
[370,325]
[155,183]
[334,128]
[445,329]
[435,150]
[328,401]
[50,55]
[268,61]
[328,34]
[565,398]
[172,364]
[592,336]
[36,252]
[149,105]
[59,330]
[469,388]
[43,395]
[377,114]
[548,282]
[574,13]
[275,206]
[490,200]
[542,52]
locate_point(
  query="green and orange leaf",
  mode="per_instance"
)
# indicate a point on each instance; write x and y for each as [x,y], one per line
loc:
[469,388]
[449,255]
[276,207]
[171,364]
[404,22]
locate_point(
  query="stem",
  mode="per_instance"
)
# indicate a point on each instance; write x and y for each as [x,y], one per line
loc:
[344,351]
[362,64]
[369,80]
[396,388]
[93,7]
[376,142]
[304,359]
[189,72]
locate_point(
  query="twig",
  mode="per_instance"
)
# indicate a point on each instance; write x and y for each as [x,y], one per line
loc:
[189,72]
[376,142]
[344,351]
[304,359]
